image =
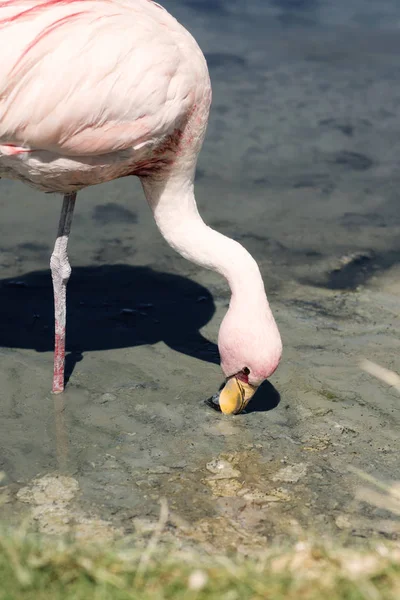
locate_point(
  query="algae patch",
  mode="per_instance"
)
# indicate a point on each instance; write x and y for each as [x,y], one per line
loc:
[51,498]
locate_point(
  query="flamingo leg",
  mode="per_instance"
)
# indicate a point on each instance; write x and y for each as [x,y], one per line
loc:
[60,273]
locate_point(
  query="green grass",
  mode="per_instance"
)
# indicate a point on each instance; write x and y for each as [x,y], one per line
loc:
[43,569]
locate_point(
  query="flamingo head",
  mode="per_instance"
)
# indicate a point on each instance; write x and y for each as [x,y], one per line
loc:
[250,348]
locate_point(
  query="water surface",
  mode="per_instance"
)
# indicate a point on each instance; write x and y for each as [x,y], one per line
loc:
[299,165]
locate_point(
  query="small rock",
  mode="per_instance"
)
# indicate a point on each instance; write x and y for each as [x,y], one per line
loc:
[107,398]
[343,522]
[49,489]
[222,469]
[291,473]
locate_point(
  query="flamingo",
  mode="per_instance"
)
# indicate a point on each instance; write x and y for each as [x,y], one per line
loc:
[94,90]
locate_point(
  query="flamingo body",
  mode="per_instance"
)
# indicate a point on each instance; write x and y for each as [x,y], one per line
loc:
[94,90]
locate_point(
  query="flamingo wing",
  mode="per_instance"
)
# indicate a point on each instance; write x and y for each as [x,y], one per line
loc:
[89,77]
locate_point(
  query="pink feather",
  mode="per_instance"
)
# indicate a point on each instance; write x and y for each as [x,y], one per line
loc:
[92,77]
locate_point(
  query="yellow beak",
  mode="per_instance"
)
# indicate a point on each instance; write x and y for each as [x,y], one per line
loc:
[235,396]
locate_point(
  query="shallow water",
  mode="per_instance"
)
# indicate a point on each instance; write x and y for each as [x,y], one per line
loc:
[299,165]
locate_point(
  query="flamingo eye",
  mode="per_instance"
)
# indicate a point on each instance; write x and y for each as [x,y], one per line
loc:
[246,371]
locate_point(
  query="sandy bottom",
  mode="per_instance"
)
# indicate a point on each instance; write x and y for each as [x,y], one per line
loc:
[298,166]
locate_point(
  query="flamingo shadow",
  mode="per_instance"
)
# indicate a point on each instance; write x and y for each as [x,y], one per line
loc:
[108,307]
[265,399]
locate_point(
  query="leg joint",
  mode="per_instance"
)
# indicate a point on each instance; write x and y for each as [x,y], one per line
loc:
[60,268]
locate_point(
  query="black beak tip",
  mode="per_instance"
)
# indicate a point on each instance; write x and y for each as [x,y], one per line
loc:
[213,402]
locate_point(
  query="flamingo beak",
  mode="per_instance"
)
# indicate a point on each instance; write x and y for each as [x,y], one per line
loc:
[235,396]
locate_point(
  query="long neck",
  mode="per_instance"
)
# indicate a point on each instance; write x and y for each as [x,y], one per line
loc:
[176,215]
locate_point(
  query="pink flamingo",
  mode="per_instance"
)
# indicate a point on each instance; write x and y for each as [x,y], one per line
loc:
[94,90]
